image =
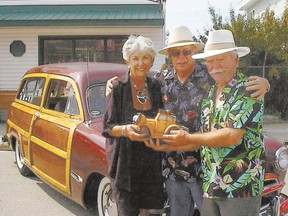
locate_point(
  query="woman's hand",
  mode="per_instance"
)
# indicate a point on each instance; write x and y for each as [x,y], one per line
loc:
[109,85]
[259,85]
[135,133]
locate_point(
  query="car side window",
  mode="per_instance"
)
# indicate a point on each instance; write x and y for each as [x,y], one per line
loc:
[162,117]
[61,97]
[31,90]
[96,100]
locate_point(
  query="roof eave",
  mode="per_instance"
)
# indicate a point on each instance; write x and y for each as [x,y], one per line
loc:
[110,23]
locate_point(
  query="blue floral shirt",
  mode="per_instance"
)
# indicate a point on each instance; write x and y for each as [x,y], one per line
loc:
[184,100]
[235,171]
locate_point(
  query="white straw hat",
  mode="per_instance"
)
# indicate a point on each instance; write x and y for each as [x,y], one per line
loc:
[180,36]
[219,42]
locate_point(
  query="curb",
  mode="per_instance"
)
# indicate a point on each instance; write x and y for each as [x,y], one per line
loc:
[5,147]
[270,119]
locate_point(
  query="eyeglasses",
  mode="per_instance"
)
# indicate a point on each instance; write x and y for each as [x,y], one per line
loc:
[184,52]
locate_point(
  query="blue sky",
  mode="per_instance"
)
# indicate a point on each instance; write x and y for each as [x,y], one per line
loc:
[194,14]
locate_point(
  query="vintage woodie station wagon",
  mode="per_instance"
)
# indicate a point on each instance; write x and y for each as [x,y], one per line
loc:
[55,125]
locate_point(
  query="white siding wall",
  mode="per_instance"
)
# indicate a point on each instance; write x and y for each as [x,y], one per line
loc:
[279,7]
[13,68]
[260,7]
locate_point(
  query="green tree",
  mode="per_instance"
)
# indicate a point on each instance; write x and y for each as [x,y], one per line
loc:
[267,37]
[277,101]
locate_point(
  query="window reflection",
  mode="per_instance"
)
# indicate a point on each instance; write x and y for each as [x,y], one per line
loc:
[31,90]
[58,51]
[96,99]
[62,98]
[75,49]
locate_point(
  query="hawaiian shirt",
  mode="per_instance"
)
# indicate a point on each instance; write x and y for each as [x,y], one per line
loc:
[235,171]
[184,100]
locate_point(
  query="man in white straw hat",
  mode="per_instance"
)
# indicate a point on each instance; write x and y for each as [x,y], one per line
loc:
[183,89]
[231,140]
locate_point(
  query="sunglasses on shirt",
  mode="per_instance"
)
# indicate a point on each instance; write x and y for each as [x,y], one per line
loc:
[184,52]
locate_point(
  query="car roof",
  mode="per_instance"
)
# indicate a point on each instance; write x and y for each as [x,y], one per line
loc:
[80,71]
[84,74]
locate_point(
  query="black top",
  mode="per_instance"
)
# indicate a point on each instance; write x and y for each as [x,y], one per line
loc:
[124,155]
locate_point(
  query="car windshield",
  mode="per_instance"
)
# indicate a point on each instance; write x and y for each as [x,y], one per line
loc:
[96,99]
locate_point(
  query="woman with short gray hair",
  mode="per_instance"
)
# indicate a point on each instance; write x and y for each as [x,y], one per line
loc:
[134,169]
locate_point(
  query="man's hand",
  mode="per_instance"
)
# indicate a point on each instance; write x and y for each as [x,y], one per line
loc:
[175,137]
[109,85]
[176,140]
[159,145]
[154,144]
[179,140]
[259,85]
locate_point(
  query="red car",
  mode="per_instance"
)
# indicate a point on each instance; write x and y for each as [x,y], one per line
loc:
[55,126]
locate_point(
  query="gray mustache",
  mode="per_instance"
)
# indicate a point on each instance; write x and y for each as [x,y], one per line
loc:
[214,71]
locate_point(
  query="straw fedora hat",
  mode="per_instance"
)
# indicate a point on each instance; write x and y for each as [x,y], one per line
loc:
[180,36]
[219,42]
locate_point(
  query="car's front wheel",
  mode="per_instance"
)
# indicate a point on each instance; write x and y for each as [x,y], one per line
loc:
[23,169]
[106,204]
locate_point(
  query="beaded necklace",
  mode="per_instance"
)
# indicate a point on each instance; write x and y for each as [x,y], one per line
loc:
[142,95]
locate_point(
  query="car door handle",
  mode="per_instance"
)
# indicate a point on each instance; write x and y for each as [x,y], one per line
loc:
[36,115]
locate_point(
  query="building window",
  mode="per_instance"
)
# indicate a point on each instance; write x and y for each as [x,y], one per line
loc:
[252,14]
[84,49]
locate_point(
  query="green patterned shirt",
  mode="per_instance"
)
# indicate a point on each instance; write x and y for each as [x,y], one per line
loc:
[235,171]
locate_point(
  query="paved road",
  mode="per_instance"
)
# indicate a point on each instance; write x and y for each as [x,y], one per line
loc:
[278,130]
[24,196]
